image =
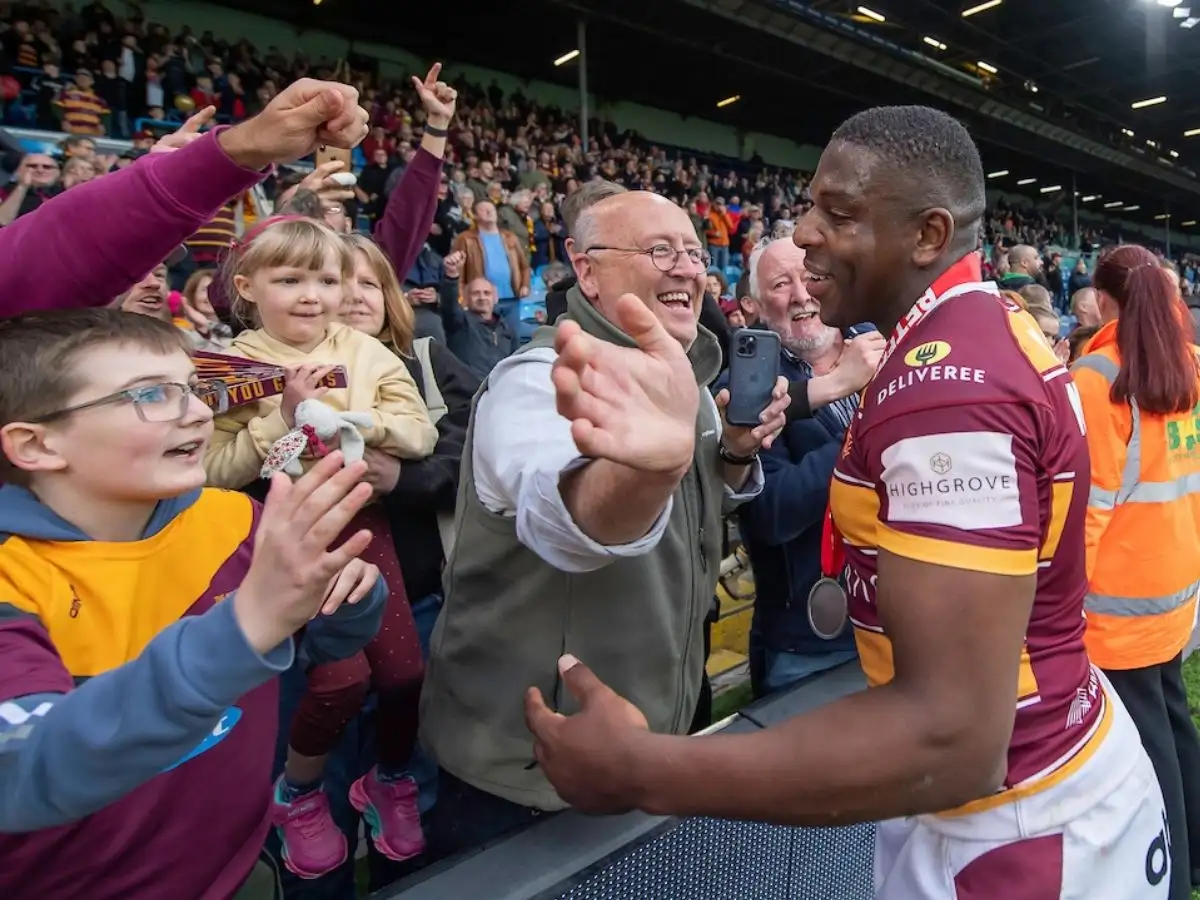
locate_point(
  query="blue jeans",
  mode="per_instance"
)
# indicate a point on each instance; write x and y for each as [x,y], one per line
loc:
[772,671]
[349,761]
[720,258]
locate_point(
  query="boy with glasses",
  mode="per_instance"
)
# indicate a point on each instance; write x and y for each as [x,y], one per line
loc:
[143,618]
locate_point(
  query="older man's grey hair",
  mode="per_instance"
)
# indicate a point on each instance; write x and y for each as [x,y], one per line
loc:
[784,228]
[581,225]
[752,264]
[303,203]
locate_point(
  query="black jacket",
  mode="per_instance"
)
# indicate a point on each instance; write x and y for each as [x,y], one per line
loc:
[429,486]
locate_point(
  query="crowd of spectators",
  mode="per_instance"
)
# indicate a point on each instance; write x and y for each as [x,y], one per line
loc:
[87,72]
[473,196]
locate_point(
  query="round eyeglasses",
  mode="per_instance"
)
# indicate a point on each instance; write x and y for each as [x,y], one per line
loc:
[664,256]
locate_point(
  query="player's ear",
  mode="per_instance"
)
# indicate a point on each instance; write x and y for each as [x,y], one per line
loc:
[934,237]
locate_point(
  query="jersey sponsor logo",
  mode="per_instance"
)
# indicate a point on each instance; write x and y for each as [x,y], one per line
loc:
[932,372]
[220,731]
[927,354]
[965,480]
[923,307]
[1158,855]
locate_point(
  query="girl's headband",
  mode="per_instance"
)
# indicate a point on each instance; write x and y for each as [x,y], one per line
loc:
[246,239]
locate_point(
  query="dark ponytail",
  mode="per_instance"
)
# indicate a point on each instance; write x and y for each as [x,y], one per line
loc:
[1158,363]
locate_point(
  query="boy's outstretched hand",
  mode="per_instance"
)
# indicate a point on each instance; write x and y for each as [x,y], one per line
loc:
[294,573]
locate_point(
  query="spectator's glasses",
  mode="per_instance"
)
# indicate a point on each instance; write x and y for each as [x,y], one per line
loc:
[153,403]
[43,167]
[664,256]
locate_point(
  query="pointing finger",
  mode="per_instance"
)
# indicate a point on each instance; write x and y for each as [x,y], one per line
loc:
[432,76]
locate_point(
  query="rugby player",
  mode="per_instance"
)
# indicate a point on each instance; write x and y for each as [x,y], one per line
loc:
[997,759]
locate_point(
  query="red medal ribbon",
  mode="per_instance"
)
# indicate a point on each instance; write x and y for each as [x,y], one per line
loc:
[833,551]
[967,270]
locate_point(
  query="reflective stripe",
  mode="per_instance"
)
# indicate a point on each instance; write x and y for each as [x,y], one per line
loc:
[1103,604]
[1132,489]
[1097,363]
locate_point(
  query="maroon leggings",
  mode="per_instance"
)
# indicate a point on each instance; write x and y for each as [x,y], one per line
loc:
[392,661]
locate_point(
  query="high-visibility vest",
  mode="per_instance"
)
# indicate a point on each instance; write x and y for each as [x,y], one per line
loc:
[1143,519]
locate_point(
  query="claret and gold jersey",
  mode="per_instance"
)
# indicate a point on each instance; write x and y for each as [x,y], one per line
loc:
[968,450]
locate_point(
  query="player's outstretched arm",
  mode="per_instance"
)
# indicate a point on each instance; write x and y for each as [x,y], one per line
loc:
[931,740]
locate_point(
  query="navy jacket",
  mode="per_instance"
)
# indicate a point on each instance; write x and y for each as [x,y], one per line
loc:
[479,344]
[782,526]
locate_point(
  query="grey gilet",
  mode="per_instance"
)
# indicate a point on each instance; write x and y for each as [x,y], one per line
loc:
[509,615]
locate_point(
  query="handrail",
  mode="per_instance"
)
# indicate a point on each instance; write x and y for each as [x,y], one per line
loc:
[563,851]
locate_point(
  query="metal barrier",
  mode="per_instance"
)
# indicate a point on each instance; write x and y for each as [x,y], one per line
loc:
[638,857]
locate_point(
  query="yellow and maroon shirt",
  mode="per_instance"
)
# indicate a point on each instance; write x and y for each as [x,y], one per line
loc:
[83,111]
[968,451]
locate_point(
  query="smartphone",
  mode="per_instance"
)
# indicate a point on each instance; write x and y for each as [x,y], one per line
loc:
[753,371]
[329,154]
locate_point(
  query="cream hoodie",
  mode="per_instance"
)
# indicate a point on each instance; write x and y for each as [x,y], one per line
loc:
[379,384]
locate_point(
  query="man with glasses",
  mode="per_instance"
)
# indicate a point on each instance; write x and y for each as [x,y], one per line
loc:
[564,544]
[35,182]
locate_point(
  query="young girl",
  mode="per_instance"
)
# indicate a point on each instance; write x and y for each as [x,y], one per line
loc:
[286,277]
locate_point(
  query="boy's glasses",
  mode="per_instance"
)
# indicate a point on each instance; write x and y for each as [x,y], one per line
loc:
[153,403]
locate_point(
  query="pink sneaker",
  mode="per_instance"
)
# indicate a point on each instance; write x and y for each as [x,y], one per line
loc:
[312,844]
[390,808]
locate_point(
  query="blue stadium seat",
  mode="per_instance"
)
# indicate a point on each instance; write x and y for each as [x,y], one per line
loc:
[526,311]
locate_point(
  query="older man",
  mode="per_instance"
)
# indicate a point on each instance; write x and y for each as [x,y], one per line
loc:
[35,182]
[476,334]
[584,537]
[799,626]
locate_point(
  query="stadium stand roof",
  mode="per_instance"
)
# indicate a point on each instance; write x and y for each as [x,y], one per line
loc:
[1058,103]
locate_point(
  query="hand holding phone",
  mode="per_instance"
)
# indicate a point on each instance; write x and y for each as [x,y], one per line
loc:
[753,371]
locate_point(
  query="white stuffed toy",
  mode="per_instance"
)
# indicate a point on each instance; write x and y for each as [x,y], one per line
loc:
[317,423]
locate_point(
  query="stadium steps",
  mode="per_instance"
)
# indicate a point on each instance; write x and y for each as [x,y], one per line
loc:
[731,632]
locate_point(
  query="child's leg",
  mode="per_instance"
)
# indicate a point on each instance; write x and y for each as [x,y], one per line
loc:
[312,843]
[387,796]
[397,667]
